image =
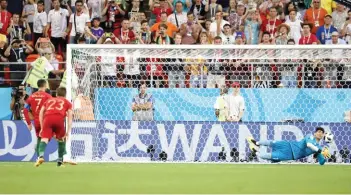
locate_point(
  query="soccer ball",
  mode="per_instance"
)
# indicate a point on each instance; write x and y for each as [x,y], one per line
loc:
[328,137]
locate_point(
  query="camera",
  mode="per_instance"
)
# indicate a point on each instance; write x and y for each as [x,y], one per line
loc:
[17,92]
[108,35]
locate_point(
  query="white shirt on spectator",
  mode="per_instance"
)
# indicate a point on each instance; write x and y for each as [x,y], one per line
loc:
[40,20]
[213,27]
[227,40]
[340,42]
[58,21]
[295,30]
[236,104]
[96,7]
[182,18]
[81,23]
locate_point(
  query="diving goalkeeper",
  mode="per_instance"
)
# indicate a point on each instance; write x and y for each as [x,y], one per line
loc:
[292,150]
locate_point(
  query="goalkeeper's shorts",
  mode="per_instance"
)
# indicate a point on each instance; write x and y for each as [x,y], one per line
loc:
[281,151]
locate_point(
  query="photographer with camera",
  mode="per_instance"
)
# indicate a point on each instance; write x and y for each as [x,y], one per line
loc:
[79,23]
[18,98]
[17,52]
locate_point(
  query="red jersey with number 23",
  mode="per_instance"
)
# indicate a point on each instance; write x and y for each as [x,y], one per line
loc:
[36,101]
[57,106]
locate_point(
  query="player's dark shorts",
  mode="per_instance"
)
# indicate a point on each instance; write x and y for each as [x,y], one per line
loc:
[281,151]
[53,125]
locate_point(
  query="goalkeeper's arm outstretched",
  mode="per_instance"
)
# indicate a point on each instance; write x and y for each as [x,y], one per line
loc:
[292,150]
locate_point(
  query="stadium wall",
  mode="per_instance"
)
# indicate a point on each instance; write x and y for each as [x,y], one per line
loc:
[270,105]
[182,141]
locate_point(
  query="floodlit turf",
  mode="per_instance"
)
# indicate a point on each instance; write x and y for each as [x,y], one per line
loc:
[174,178]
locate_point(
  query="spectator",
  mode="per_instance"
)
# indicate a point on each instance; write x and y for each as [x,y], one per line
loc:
[216,67]
[347,28]
[124,35]
[220,109]
[171,28]
[114,13]
[29,11]
[79,23]
[144,36]
[307,37]
[199,11]
[16,30]
[96,30]
[231,9]
[3,46]
[95,8]
[270,25]
[190,30]
[283,32]
[291,7]
[135,9]
[197,69]
[5,17]
[211,9]
[57,21]
[227,35]
[235,104]
[186,4]
[163,38]
[42,44]
[108,38]
[39,22]
[142,105]
[266,39]
[235,17]
[265,9]
[204,40]
[324,32]
[216,27]
[315,16]
[207,30]
[328,5]
[252,27]
[179,17]
[17,52]
[165,7]
[335,40]
[132,69]
[239,39]
[339,17]
[295,26]
[175,68]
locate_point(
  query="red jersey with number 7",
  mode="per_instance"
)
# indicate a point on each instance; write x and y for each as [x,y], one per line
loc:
[36,101]
[57,106]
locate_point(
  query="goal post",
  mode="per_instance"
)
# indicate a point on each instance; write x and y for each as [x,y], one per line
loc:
[288,91]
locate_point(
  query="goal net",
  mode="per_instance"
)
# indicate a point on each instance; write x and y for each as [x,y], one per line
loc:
[173,103]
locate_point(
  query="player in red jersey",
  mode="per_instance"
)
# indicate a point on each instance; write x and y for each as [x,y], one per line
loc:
[52,119]
[34,104]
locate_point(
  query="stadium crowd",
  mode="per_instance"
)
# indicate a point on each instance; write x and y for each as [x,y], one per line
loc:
[31,28]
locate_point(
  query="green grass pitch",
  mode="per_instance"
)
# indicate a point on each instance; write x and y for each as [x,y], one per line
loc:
[174,178]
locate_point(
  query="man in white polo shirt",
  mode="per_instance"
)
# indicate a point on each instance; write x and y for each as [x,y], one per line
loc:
[235,104]
[178,17]
[57,20]
[79,23]
[216,27]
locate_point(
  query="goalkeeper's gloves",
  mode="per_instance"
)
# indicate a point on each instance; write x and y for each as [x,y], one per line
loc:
[325,152]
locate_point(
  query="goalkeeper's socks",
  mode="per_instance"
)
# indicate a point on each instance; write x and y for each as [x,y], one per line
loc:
[42,147]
